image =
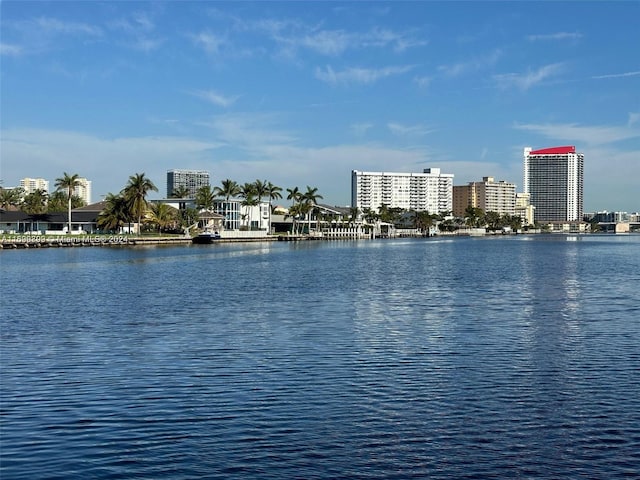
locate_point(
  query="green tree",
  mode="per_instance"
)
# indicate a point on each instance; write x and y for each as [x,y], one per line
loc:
[58,202]
[310,199]
[295,196]
[188,216]
[250,197]
[180,192]
[260,189]
[493,221]
[68,184]
[273,192]
[10,197]
[35,203]
[205,198]
[163,215]
[229,188]
[474,216]
[115,213]
[135,193]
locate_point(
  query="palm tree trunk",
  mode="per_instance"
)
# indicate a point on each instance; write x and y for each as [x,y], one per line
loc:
[69,216]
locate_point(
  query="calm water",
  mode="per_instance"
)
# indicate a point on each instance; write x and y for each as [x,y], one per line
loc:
[465,358]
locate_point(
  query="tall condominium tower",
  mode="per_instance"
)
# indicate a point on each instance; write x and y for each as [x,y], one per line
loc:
[554,177]
[189,180]
[430,191]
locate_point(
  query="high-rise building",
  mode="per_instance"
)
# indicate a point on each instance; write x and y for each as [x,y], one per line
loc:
[489,195]
[430,191]
[83,190]
[555,179]
[30,185]
[188,180]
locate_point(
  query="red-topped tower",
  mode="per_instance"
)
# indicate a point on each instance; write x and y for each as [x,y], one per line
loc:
[554,177]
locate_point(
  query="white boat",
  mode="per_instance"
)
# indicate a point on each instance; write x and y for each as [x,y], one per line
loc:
[205,237]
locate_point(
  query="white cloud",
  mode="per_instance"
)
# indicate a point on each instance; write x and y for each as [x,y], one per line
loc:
[408,130]
[525,81]
[107,162]
[423,81]
[585,135]
[10,50]
[53,25]
[618,75]
[360,129]
[358,75]
[210,42]
[215,98]
[471,65]
[555,36]
[634,117]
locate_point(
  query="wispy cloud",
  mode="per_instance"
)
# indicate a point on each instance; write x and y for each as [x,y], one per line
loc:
[408,130]
[634,117]
[10,50]
[210,42]
[586,135]
[619,75]
[139,28]
[555,36]
[214,97]
[360,129]
[423,81]
[474,64]
[531,78]
[53,25]
[358,75]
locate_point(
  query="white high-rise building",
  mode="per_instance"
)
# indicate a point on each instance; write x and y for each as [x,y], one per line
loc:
[430,191]
[554,177]
[30,185]
[83,190]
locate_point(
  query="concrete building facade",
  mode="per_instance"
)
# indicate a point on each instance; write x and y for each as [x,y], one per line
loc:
[30,185]
[430,190]
[554,177]
[83,190]
[489,195]
[192,180]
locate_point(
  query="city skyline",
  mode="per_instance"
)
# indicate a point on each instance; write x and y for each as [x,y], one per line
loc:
[303,93]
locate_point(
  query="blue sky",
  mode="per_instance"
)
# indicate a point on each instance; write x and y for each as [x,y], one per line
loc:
[301,93]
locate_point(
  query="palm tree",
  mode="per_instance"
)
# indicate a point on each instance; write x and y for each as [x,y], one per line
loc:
[250,200]
[115,213]
[163,215]
[294,196]
[228,189]
[260,189]
[273,192]
[35,203]
[10,197]
[250,195]
[68,183]
[180,192]
[311,197]
[135,192]
[205,198]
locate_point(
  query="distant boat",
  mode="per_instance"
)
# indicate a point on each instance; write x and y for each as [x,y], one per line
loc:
[205,238]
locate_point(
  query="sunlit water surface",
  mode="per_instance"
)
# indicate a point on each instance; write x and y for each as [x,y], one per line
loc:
[458,358]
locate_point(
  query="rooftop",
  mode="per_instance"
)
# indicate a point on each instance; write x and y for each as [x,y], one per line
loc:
[554,150]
